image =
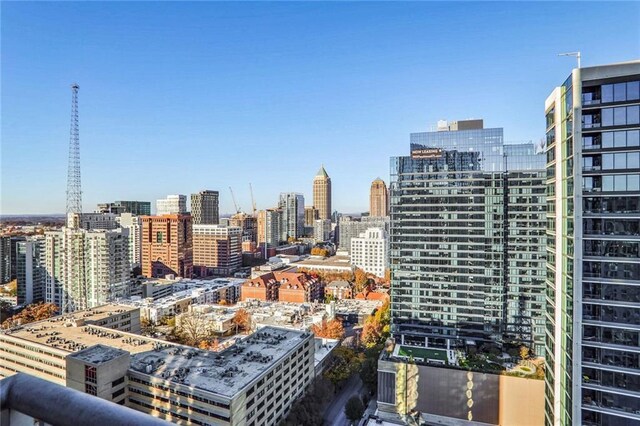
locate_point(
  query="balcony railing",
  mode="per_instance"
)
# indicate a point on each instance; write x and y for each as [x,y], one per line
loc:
[61,406]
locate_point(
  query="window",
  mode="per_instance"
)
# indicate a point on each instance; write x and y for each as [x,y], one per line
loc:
[607,140]
[90,389]
[633,114]
[117,393]
[90,374]
[619,139]
[619,92]
[633,138]
[607,117]
[607,93]
[619,116]
[633,90]
[117,382]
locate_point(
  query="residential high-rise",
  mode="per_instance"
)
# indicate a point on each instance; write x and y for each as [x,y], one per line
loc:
[93,221]
[310,215]
[379,199]
[173,204]
[31,269]
[5,259]
[349,227]
[467,247]
[322,194]
[269,227]
[217,250]
[134,225]
[167,245]
[370,251]
[593,245]
[86,268]
[204,208]
[292,206]
[322,230]
[138,208]
[248,224]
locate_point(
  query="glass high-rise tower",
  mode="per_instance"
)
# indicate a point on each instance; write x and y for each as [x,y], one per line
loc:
[467,240]
[593,279]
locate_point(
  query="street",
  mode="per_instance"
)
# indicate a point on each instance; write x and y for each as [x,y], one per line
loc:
[334,414]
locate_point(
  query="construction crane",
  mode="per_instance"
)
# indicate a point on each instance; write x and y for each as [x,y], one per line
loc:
[253,200]
[235,203]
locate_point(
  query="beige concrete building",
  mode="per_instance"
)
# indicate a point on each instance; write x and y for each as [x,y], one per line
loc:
[322,194]
[379,199]
[217,250]
[253,382]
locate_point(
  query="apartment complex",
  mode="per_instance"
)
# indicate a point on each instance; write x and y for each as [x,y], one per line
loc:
[31,269]
[173,204]
[295,287]
[292,206]
[253,382]
[310,216]
[467,247]
[84,268]
[379,199]
[138,208]
[205,208]
[269,227]
[370,251]
[593,240]
[167,245]
[349,227]
[133,224]
[93,221]
[248,224]
[217,250]
[322,194]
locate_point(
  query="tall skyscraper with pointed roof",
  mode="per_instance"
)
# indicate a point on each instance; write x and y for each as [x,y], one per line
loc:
[322,194]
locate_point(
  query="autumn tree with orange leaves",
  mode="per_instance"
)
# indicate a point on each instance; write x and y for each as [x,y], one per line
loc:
[377,327]
[242,320]
[332,329]
[32,313]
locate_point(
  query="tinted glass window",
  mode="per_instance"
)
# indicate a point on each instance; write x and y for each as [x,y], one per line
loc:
[619,92]
[607,117]
[633,138]
[619,116]
[633,90]
[607,161]
[633,114]
[633,160]
[620,139]
[607,93]
[633,183]
[607,183]
[607,140]
[620,161]
[620,182]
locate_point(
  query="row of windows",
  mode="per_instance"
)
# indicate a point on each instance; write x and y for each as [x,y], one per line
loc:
[619,139]
[179,404]
[177,392]
[618,161]
[615,183]
[34,349]
[30,366]
[167,412]
[35,358]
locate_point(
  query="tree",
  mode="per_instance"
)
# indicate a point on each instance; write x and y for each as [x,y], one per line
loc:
[193,328]
[354,409]
[223,303]
[377,327]
[11,288]
[369,373]
[332,329]
[387,276]
[524,352]
[242,320]
[361,280]
[346,362]
[210,345]
[31,313]
[319,251]
[148,327]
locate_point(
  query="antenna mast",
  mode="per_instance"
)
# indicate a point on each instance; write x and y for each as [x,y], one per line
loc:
[74,189]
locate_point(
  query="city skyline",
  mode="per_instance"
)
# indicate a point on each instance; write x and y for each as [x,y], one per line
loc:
[130,97]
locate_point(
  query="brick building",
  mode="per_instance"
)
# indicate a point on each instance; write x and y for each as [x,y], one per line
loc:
[294,287]
[167,245]
[339,289]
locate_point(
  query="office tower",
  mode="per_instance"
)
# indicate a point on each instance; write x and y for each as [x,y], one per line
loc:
[204,208]
[292,206]
[349,227]
[217,250]
[85,269]
[138,208]
[379,199]
[269,227]
[167,245]
[173,204]
[31,270]
[593,237]
[248,224]
[5,260]
[370,251]
[134,225]
[467,250]
[322,194]
[322,230]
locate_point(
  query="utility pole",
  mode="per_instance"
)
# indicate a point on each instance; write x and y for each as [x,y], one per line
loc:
[74,189]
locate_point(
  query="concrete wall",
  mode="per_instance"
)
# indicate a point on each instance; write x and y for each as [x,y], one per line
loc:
[521,401]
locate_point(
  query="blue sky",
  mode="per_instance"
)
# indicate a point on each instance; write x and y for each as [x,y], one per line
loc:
[178,97]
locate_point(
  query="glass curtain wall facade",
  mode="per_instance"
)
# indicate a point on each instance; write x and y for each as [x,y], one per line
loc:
[467,241]
[593,270]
